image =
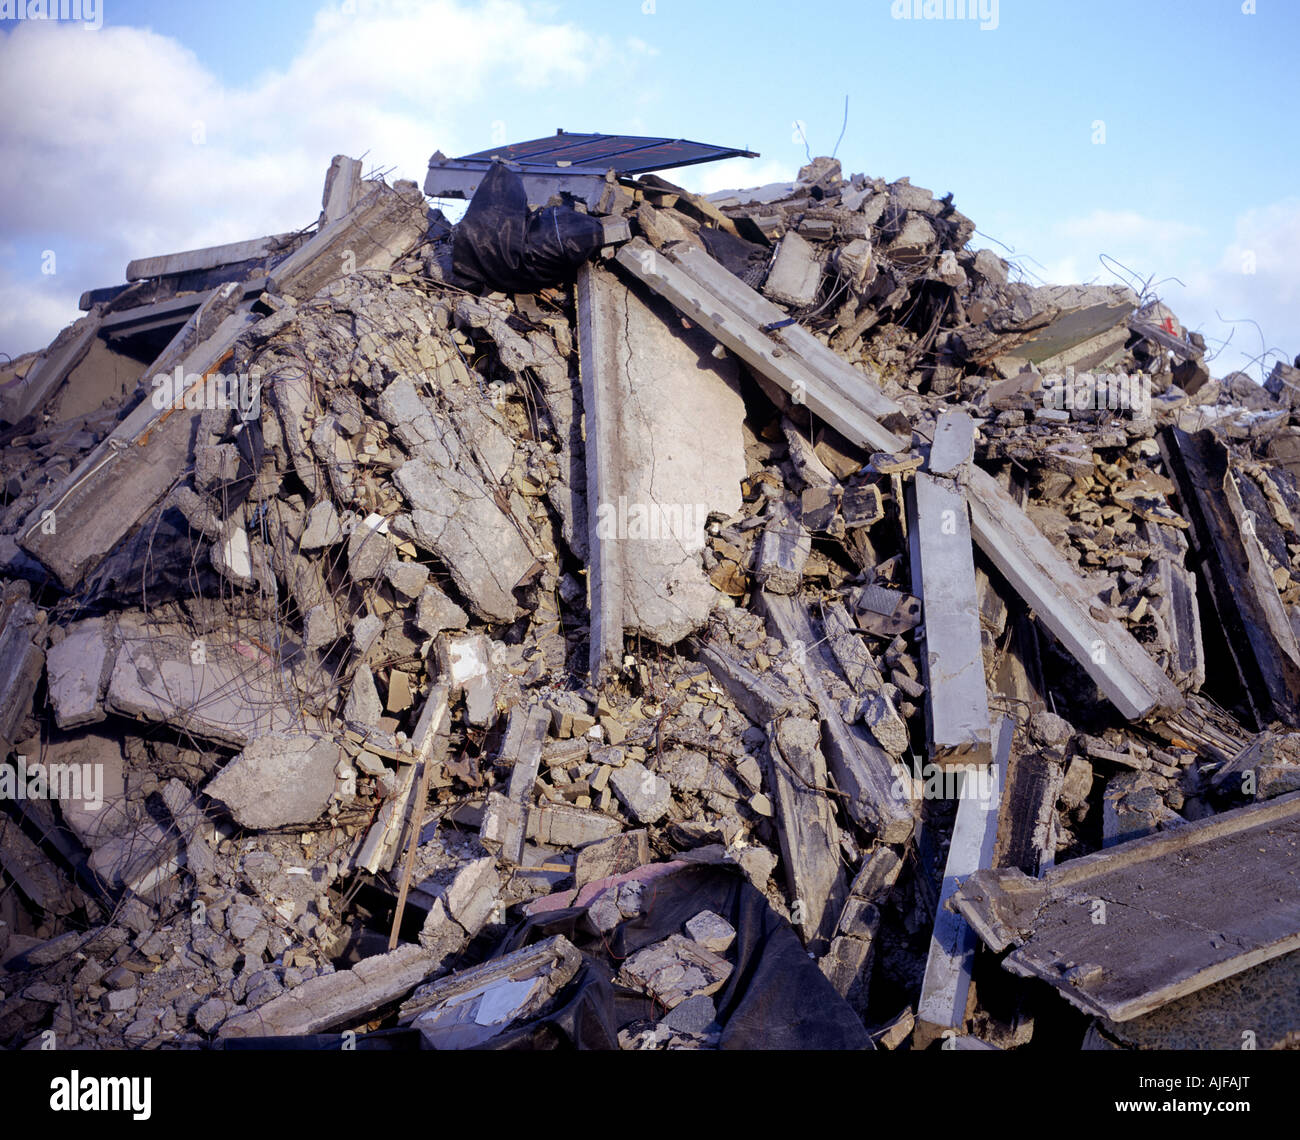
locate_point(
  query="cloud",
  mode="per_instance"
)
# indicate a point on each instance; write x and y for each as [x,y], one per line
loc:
[127,146]
[1255,278]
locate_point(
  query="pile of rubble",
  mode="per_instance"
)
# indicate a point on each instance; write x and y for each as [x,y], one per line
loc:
[741,640]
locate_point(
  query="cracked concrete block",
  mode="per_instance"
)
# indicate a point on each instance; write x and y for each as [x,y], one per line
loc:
[323,527]
[366,631]
[370,548]
[321,627]
[363,705]
[711,931]
[407,578]
[279,779]
[646,795]
[435,612]
[796,273]
[457,519]
[77,671]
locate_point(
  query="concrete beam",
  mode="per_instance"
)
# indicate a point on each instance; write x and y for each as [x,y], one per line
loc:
[209,257]
[863,771]
[945,990]
[943,565]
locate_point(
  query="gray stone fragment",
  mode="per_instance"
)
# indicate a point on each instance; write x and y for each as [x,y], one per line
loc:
[370,549]
[695,1015]
[646,796]
[323,527]
[711,931]
[436,612]
[280,779]
[77,670]
[796,274]
[407,578]
[363,705]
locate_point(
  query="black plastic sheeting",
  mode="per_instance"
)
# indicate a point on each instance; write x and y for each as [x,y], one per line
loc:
[499,245]
[775,997]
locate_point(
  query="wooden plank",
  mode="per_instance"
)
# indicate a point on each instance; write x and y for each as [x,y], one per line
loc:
[210,257]
[436,709]
[1126,930]
[864,772]
[943,564]
[1112,657]
[604,566]
[945,989]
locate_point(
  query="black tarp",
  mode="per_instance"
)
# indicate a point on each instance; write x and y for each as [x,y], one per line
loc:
[499,245]
[775,997]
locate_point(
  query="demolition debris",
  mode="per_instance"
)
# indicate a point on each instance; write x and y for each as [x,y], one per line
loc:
[634,619]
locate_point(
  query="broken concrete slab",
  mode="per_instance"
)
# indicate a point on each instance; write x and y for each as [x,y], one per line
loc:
[226,690]
[456,519]
[670,427]
[333,1000]
[1220,886]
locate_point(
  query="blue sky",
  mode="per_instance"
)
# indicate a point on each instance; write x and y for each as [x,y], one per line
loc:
[1160,134]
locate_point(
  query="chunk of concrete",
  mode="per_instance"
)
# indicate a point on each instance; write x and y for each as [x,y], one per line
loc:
[645,794]
[363,705]
[279,780]
[796,274]
[456,518]
[323,527]
[435,612]
[77,671]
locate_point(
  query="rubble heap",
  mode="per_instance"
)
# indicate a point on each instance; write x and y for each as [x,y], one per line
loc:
[785,608]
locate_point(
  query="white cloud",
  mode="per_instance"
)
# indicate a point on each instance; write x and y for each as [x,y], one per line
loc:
[1256,278]
[121,144]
